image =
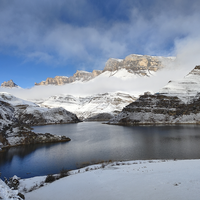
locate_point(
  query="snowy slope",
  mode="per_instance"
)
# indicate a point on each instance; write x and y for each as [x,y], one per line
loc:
[86,107]
[186,87]
[30,113]
[124,74]
[139,180]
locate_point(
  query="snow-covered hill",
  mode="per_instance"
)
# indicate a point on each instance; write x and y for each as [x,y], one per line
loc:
[184,88]
[94,107]
[17,115]
[178,102]
[30,113]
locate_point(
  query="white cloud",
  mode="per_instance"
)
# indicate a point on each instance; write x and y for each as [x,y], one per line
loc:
[102,84]
[85,35]
[54,32]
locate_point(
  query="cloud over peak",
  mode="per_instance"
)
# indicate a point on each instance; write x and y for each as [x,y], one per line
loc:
[87,31]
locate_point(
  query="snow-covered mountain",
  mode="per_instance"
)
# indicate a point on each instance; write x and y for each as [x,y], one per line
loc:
[136,65]
[184,88]
[130,67]
[17,115]
[95,107]
[30,113]
[179,102]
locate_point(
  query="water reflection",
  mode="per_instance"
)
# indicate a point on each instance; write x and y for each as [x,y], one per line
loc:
[94,142]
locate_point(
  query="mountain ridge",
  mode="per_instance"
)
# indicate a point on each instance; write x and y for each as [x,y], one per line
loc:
[142,65]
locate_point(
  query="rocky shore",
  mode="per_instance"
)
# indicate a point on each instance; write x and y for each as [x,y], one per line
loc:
[25,136]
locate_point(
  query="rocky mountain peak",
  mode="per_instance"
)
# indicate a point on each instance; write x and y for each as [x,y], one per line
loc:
[137,64]
[9,84]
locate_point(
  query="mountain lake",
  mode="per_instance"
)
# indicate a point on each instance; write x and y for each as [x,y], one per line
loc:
[94,142]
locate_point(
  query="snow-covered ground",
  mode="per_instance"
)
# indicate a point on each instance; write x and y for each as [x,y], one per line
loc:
[138,180]
[6,193]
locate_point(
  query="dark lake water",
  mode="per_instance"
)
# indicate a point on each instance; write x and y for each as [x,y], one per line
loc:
[93,142]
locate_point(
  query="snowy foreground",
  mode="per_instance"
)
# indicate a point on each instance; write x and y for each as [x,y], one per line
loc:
[123,180]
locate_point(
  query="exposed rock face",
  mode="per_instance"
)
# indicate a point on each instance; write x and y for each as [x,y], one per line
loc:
[166,108]
[17,115]
[138,64]
[78,76]
[9,84]
[92,106]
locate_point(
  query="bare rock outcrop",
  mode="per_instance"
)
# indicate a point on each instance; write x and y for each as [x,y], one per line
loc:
[9,84]
[78,76]
[138,64]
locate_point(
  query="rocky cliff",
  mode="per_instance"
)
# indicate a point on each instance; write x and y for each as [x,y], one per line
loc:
[142,65]
[165,108]
[78,76]
[9,84]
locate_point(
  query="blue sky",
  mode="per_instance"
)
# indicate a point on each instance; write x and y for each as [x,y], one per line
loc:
[40,39]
